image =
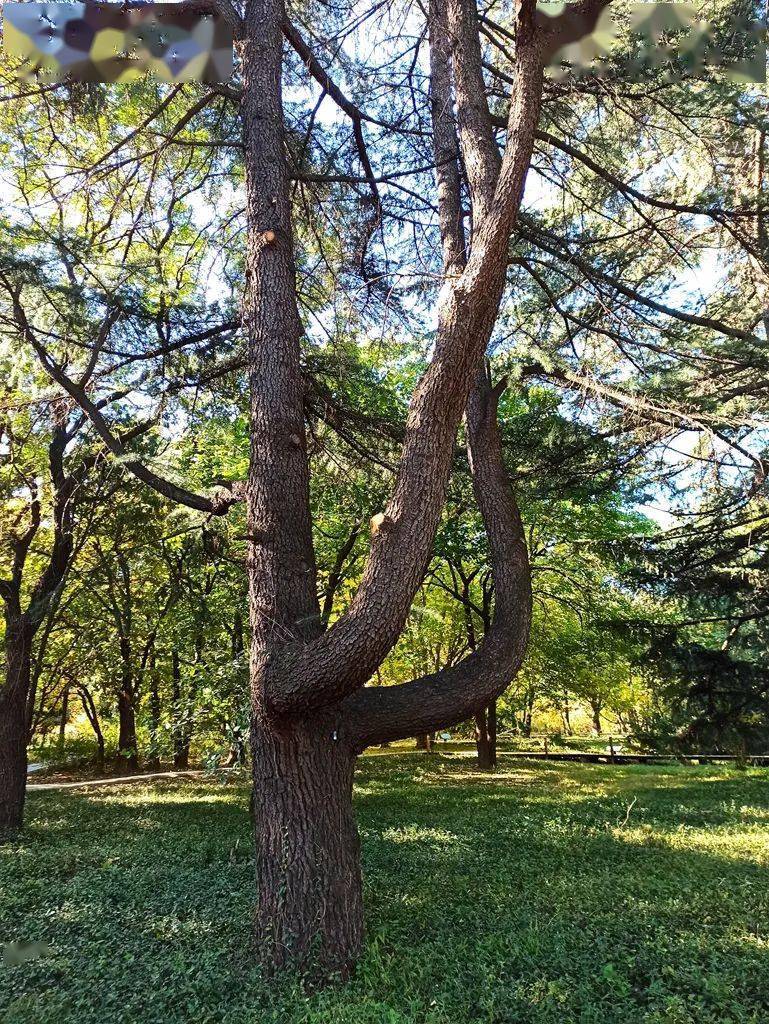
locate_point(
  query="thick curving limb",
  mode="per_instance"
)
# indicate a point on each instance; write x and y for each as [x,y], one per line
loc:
[441,699]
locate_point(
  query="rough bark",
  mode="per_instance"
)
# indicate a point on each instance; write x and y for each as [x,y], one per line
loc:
[308,873]
[309,903]
[309,899]
[443,698]
[297,678]
[283,596]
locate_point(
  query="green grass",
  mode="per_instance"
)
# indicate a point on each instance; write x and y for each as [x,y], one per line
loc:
[536,895]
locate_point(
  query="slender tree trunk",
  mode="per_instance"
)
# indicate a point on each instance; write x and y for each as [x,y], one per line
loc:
[89,707]
[63,716]
[154,759]
[181,741]
[127,742]
[100,758]
[182,752]
[310,906]
[13,723]
[528,712]
[237,751]
[596,709]
[482,744]
[128,753]
[491,722]
[486,737]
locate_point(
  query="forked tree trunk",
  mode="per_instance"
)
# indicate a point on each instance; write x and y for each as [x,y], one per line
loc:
[13,724]
[309,913]
[309,899]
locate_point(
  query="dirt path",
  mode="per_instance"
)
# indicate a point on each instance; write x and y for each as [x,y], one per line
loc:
[42,786]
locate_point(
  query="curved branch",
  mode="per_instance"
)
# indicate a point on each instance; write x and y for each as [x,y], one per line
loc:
[562,250]
[622,186]
[217,505]
[380,714]
[356,115]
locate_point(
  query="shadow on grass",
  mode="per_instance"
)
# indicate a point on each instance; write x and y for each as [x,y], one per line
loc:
[522,897]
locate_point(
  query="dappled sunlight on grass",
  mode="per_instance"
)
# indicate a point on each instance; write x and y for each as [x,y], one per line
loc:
[432,836]
[748,847]
[537,894]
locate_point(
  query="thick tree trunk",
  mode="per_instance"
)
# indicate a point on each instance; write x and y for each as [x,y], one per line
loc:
[310,908]
[425,741]
[13,724]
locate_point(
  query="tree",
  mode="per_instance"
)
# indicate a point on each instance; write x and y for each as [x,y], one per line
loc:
[311,716]
[312,712]
[44,475]
[707,640]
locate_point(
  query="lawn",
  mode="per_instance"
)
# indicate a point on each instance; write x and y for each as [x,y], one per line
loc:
[545,893]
